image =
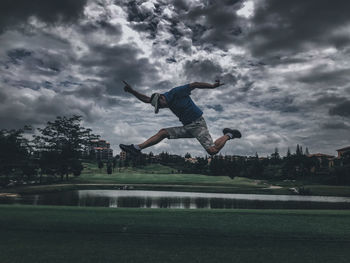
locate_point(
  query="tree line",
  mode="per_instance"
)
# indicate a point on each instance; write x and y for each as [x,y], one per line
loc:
[59,149]
[55,151]
[293,166]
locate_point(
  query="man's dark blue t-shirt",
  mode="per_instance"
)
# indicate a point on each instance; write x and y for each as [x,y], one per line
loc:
[181,104]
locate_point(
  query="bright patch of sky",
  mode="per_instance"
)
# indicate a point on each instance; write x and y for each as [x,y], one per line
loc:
[247,10]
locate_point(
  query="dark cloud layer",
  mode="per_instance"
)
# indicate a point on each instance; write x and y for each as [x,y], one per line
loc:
[322,75]
[342,109]
[285,65]
[206,70]
[14,12]
[290,26]
[336,126]
[211,22]
[219,19]
[117,63]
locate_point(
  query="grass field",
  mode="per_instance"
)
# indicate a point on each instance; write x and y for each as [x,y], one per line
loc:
[157,174]
[151,177]
[164,178]
[71,234]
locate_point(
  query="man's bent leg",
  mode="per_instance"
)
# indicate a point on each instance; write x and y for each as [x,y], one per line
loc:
[158,137]
[218,145]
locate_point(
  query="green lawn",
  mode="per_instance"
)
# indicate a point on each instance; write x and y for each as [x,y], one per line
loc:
[153,177]
[71,234]
[160,177]
[159,174]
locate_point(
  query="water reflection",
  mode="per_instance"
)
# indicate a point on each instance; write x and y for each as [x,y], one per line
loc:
[182,200]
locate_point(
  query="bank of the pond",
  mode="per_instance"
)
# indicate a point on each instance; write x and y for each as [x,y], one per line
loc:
[316,190]
[70,234]
[51,188]
[162,178]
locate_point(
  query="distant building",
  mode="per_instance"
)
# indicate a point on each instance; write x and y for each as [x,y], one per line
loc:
[323,158]
[101,150]
[191,160]
[342,151]
[122,156]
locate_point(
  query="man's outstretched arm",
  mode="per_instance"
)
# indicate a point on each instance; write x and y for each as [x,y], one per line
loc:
[203,85]
[141,97]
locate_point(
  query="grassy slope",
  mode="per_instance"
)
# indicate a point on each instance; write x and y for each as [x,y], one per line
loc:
[160,174]
[152,174]
[159,177]
[67,234]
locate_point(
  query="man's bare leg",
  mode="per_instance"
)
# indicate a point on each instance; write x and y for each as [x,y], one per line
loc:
[158,137]
[218,145]
[220,142]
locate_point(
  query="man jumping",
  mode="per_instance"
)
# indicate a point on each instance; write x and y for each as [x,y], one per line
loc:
[178,100]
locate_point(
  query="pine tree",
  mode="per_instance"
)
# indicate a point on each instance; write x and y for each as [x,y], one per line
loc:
[275,155]
[288,153]
[100,165]
[187,155]
[307,151]
[109,168]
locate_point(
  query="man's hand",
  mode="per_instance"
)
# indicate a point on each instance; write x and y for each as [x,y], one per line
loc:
[217,84]
[140,96]
[127,87]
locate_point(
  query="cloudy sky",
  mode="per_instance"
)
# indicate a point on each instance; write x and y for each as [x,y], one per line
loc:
[286,65]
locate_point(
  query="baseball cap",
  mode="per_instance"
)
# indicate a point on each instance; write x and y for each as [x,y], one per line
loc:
[155,102]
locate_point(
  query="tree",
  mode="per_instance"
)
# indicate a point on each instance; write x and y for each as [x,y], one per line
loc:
[16,157]
[275,157]
[114,163]
[187,155]
[288,153]
[307,151]
[299,150]
[77,167]
[109,168]
[100,164]
[61,145]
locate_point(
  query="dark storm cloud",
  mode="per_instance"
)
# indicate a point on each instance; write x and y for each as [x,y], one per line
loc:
[14,12]
[162,85]
[93,91]
[43,62]
[216,107]
[3,96]
[288,26]
[181,5]
[325,100]
[101,25]
[16,55]
[214,22]
[247,86]
[342,109]
[88,90]
[117,63]
[21,108]
[205,69]
[335,126]
[321,75]
[281,104]
[142,20]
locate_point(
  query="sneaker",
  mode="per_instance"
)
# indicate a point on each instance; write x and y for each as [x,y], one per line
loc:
[130,149]
[235,133]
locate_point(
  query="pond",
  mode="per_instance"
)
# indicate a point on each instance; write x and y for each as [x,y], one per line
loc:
[181,200]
